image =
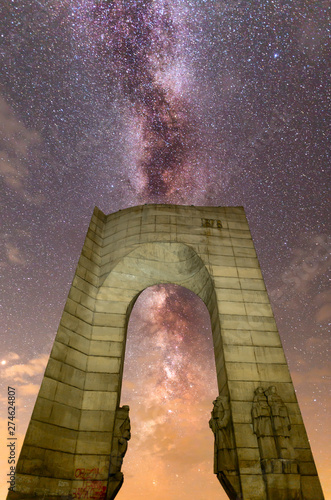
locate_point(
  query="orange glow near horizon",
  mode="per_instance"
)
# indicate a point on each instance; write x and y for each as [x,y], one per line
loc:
[169,382]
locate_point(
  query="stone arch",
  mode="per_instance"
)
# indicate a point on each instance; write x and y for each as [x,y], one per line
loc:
[154,263]
[147,265]
[70,438]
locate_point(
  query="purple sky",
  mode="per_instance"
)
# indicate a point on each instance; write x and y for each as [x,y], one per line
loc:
[204,102]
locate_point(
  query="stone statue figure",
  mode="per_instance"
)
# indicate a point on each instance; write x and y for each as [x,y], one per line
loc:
[122,434]
[122,442]
[224,458]
[262,425]
[272,427]
[281,423]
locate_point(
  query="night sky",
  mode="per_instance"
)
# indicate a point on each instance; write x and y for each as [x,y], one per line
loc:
[205,102]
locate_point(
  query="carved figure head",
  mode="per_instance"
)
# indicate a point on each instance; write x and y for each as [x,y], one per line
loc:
[221,401]
[259,391]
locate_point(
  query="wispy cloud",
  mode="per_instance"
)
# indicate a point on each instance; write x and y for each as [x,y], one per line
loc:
[14,254]
[323,303]
[25,371]
[16,142]
[309,264]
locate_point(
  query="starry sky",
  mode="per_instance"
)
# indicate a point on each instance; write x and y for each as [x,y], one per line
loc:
[206,102]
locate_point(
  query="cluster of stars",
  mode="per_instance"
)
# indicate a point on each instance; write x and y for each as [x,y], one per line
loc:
[114,103]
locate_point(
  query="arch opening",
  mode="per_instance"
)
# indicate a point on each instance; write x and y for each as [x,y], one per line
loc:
[169,381]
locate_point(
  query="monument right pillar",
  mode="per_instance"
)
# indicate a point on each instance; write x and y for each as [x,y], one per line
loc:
[261,447]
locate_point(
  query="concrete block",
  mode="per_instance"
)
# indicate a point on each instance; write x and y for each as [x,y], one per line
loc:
[103,381]
[247,262]
[111,307]
[102,319]
[274,373]
[100,364]
[252,284]
[269,355]
[255,296]
[248,272]
[258,309]
[241,226]
[242,390]
[69,356]
[234,337]
[241,243]
[64,416]
[236,234]
[229,295]
[99,400]
[253,487]
[265,338]
[68,395]
[106,348]
[115,294]
[239,353]
[243,371]
[76,324]
[47,436]
[244,435]
[48,388]
[311,488]
[242,412]
[244,252]
[240,322]
[224,271]
[102,420]
[226,283]
[65,373]
[84,286]
[107,333]
[59,464]
[236,308]
[87,301]
[73,339]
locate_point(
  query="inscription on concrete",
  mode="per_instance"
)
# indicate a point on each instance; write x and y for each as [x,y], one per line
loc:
[211,223]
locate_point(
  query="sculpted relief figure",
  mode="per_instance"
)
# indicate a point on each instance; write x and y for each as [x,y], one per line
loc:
[271,424]
[262,425]
[224,459]
[122,434]
[281,423]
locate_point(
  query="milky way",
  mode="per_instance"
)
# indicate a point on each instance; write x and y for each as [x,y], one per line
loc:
[207,102]
[138,46]
[170,380]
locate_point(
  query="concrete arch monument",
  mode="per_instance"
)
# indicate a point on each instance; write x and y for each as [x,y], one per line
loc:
[78,434]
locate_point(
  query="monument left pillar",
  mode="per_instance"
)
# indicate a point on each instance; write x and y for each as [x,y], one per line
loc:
[62,455]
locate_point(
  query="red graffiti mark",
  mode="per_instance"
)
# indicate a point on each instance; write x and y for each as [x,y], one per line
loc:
[90,490]
[89,485]
[86,474]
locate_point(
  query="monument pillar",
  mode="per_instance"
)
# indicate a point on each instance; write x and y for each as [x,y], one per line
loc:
[78,434]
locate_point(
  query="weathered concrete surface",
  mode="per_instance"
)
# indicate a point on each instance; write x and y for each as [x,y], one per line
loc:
[209,250]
